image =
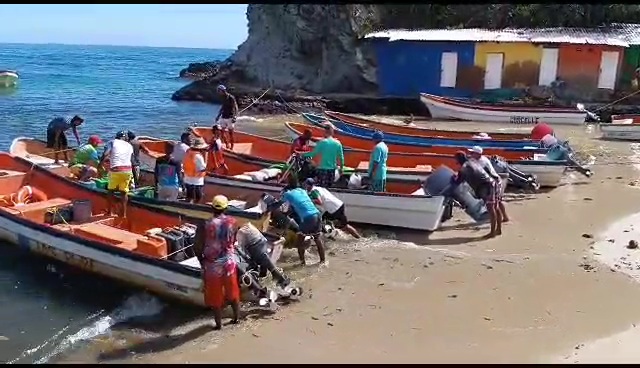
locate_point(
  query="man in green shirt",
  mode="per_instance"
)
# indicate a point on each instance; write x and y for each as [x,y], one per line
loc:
[330,150]
[85,161]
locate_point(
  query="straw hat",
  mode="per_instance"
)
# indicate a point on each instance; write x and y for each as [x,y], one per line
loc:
[199,144]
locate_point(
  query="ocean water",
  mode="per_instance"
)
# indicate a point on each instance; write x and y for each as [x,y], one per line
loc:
[45,307]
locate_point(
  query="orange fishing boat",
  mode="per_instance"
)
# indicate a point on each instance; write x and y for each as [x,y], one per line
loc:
[421,131]
[348,140]
[404,204]
[46,214]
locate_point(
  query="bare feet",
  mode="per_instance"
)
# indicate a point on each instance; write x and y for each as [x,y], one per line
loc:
[489,236]
[217,327]
[505,220]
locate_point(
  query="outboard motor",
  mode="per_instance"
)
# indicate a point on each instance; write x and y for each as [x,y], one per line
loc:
[562,152]
[439,183]
[516,177]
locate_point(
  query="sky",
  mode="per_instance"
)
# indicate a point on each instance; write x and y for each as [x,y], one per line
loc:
[221,26]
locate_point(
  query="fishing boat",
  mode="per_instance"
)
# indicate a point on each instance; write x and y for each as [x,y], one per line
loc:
[622,127]
[8,78]
[447,108]
[418,131]
[365,131]
[397,208]
[63,220]
[35,151]
[352,140]
[549,173]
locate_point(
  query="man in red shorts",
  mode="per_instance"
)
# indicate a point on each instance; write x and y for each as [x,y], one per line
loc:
[219,261]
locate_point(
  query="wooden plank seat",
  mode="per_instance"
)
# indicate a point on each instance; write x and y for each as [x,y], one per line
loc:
[36,210]
[109,234]
[419,169]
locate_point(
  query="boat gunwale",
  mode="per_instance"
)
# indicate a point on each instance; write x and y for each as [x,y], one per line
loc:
[472,106]
[422,145]
[402,135]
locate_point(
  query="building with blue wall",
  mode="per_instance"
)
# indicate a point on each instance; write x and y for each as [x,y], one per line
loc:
[406,68]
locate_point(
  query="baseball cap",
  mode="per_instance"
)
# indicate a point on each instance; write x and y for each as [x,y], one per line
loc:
[309,181]
[95,140]
[221,87]
[475,149]
[220,202]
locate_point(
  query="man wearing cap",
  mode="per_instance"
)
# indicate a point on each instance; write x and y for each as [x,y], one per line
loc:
[475,153]
[331,157]
[119,152]
[331,206]
[215,249]
[57,138]
[483,186]
[227,114]
[195,170]
[378,163]
[84,164]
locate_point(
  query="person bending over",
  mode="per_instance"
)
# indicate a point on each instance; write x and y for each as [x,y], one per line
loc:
[332,207]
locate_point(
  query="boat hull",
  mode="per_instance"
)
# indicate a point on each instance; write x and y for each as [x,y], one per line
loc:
[421,131]
[443,108]
[8,79]
[622,132]
[364,131]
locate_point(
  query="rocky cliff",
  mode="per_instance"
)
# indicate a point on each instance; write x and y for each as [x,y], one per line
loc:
[298,50]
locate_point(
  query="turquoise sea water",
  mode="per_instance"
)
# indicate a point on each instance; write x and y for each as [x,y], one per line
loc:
[46,309]
[113,87]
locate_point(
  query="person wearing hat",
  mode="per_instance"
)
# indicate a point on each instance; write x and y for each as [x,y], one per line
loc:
[57,138]
[119,152]
[475,153]
[215,249]
[194,165]
[216,149]
[331,157]
[84,164]
[483,186]
[378,163]
[227,114]
[331,206]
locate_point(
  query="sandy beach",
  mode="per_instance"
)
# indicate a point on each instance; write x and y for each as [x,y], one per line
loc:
[553,288]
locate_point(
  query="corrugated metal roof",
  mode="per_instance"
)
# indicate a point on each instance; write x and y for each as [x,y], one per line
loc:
[615,35]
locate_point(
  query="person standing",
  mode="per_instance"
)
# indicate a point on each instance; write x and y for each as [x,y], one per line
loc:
[331,206]
[84,164]
[168,177]
[227,115]
[483,186]
[309,215]
[180,149]
[119,152]
[195,170]
[475,153]
[57,138]
[135,159]
[378,164]
[331,157]
[301,144]
[215,249]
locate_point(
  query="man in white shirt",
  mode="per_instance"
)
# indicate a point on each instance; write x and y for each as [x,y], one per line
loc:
[475,153]
[119,152]
[330,205]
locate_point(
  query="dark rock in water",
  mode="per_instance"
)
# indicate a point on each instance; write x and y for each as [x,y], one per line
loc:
[197,71]
[587,236]
[632,244]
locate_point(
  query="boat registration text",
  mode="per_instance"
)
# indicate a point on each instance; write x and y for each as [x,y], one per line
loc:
[524,120]
[66,257]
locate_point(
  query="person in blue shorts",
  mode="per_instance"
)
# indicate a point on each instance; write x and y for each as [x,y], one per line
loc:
[310,218]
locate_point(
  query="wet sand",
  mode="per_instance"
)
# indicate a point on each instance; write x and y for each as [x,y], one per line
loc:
[535,294]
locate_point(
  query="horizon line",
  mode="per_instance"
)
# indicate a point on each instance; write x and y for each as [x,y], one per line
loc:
[113,45]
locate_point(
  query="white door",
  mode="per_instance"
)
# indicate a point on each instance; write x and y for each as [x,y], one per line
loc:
[608,69]
[493,73]
[548,67]
[448,69]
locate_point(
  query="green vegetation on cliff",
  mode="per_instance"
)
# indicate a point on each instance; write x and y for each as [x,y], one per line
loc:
[420,16]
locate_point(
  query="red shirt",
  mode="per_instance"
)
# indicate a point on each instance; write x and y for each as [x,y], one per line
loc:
[299,146]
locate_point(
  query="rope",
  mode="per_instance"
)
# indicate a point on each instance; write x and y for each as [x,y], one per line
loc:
[616,101]
[287,104]
[256,100]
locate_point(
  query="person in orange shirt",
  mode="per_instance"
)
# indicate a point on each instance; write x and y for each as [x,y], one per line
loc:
[194,165]
[215,150]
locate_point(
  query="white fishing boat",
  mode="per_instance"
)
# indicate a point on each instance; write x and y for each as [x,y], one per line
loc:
[8,78]
[622,127]
[447,108]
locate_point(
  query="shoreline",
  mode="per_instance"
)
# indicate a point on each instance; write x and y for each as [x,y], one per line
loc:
[533,294]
